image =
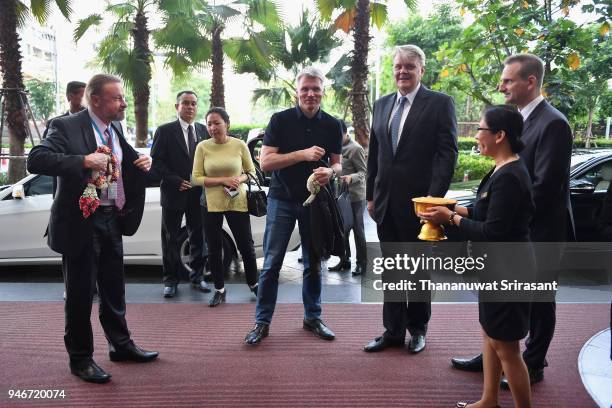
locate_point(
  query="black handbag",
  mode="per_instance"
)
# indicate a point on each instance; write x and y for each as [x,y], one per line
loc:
[257,200]
[345,208]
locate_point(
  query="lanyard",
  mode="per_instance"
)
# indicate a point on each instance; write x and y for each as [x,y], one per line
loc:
[110,132]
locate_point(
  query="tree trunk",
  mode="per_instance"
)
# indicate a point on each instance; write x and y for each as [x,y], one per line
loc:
[359,70]
[589,130]
[140,89]
[10,65]
[217,93]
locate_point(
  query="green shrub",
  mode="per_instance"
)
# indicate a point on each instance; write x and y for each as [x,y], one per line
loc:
[3,179]
[242,131]
[477,166]
[599,142]
[466,143]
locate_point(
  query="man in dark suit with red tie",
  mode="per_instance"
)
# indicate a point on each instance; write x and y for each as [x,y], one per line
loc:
[413,150]
[548,146]
[173,151]
[91,246]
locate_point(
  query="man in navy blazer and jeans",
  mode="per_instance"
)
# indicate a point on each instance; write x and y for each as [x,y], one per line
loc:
[413,150]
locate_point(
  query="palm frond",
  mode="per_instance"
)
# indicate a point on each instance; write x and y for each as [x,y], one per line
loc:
[40,9]
[84,24]
[22,13]
[64,7]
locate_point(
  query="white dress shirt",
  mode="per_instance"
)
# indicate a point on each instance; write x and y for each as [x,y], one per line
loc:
[526,111]
[409,100]
[185,127]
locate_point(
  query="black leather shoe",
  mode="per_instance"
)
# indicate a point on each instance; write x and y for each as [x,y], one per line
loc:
[89,371]
[379,344]
[473,364]
[257,334]
[169,291]
[535,376]
[254,289]
[340,266]
[202,286]
[217,299]
[319,328]
[417,343]
[132,353]
[359,270]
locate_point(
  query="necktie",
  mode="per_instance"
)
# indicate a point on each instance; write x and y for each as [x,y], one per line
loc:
[191,140]
[395,123]
[120,199]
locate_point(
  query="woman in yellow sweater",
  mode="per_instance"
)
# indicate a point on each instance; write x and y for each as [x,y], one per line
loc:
[221,165]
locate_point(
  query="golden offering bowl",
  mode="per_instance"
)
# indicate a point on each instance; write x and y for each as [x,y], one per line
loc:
[429,230]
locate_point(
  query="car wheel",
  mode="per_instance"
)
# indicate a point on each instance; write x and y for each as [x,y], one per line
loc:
[228,252]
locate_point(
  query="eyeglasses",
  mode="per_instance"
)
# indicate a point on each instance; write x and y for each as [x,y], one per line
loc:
[490,130]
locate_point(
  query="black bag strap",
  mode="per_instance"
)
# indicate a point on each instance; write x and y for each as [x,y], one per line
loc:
[251,177]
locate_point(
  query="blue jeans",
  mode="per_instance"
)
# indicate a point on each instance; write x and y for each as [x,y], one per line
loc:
[280,222]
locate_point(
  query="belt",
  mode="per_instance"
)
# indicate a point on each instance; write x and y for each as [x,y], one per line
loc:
[107,209]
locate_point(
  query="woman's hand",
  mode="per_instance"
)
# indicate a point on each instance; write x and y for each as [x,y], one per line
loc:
[231,182]
[437,215]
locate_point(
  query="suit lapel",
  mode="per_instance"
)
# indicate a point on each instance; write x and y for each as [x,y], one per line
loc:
[180,138]
[386,115]
[87,131]
[418,105]
[532,120]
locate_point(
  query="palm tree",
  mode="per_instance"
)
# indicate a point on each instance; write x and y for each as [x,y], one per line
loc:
[207,22]
[356,15]
[13,15]
[307,43]
[125,52]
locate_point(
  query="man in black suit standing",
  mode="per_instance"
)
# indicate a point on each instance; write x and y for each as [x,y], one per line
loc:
[173,151]
[74,95]
[92,247]
[548,147]
[413,150]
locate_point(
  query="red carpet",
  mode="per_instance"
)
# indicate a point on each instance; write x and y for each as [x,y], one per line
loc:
[203,361]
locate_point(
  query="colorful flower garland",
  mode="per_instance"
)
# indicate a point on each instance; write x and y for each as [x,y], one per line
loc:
[89,201]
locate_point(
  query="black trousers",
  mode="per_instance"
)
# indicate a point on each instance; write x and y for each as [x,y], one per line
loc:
[240,225]
[100,261]
[410,315]
[358,233]
[543,315]
[170,234]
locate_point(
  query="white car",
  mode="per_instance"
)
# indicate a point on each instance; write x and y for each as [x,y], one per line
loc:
[24,215]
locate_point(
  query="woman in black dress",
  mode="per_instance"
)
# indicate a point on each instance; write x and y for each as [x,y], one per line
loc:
[502,213]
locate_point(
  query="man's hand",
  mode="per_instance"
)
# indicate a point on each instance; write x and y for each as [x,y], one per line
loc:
[323,175]
[371,209]
[185,185]
[96,161]
[143,163]
[346,179]
[313,153]
[232,182]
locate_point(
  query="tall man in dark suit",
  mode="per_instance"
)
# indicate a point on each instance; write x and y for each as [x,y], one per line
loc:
[173,151]
[92,247]
[413,150]
[74,95]
[548,146]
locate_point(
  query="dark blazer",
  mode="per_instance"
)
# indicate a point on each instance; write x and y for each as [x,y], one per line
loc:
[425,158]
[61,154]
[67,113]
[173,164]
[548,147]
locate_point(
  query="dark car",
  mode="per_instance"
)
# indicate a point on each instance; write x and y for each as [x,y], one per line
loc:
[590,175]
